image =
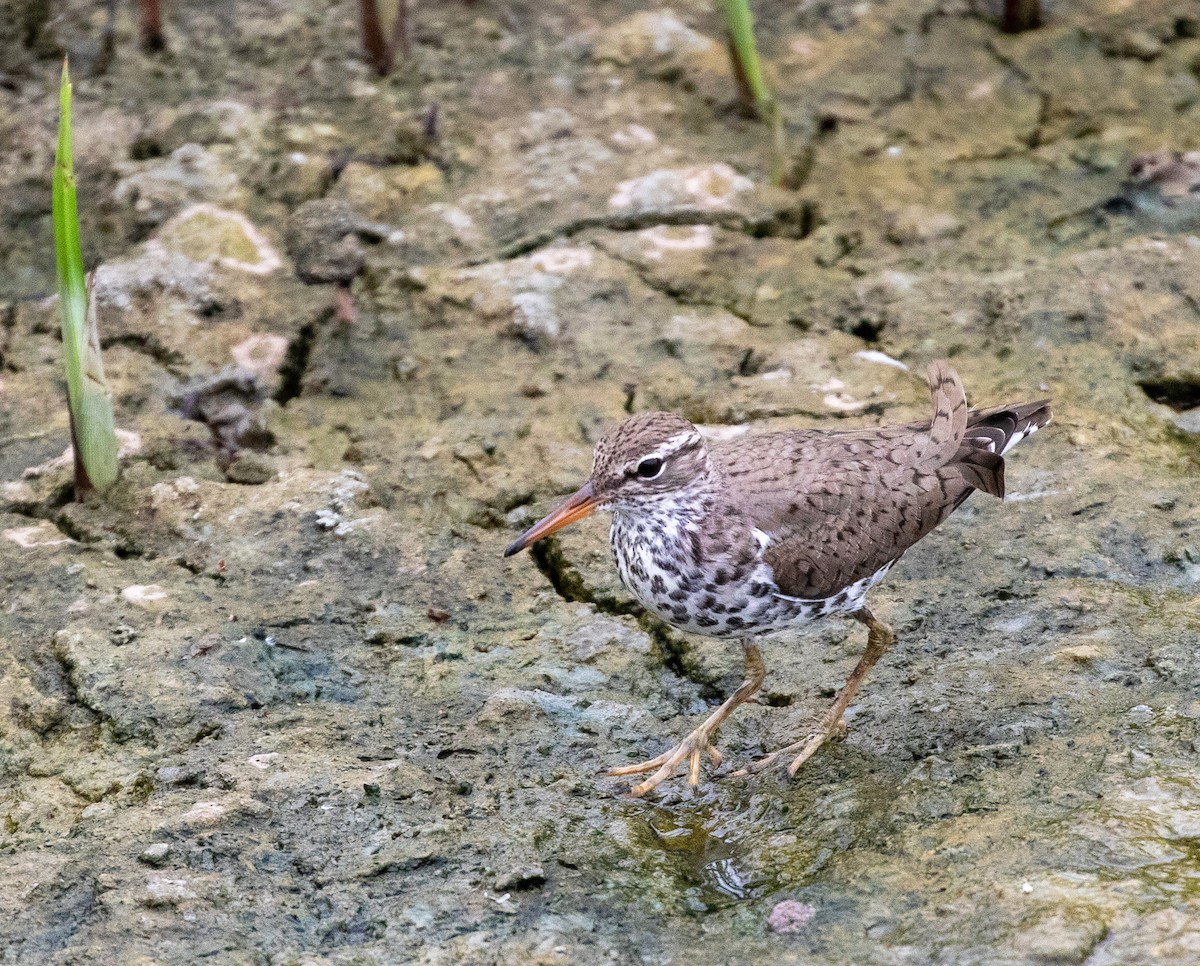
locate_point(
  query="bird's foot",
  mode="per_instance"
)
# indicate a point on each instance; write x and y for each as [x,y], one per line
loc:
[664,766]
[806,746]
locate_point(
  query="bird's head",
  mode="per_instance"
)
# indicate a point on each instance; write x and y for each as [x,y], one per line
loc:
[648,461]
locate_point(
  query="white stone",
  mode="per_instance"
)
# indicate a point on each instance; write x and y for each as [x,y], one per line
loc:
[144,594]
[883,359]
[41,535]
[712,187]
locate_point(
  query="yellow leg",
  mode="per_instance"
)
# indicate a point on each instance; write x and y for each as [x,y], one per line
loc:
[700,740]
[879,638]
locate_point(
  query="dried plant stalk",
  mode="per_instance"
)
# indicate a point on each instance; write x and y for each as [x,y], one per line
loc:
[384,26]
[151,25]
[1021,15]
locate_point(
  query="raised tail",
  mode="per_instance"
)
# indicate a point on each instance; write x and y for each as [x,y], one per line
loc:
[949,424]
[990,434]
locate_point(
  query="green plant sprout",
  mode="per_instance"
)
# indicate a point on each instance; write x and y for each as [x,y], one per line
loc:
[89,401]
[756,96]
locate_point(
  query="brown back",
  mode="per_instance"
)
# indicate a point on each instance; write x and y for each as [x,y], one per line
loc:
[839,506]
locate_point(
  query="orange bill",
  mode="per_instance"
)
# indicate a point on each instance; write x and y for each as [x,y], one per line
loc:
[579,504]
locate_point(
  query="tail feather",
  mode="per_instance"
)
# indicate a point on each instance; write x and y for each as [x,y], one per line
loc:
[1000,428]
[990,434]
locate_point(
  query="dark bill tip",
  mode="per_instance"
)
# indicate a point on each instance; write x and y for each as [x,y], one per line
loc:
[577,506]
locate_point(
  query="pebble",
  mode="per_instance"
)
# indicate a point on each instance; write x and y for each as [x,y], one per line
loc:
[790,916]
[156,854]
[916,224]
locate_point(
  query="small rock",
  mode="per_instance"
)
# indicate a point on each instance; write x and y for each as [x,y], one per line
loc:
[562,259]
[790,916]
[1140,45]
[191,173]
[322,240]
[380,194]
[41,535]
[261,353]
[155,271]
[229,403]
[634,137]
[156,854]
[251,469]
[203,813]
[552,124]
[659,45]
[163,893]
[649,36]
[663,239]
[534,318]
[709,328]
[1079,653]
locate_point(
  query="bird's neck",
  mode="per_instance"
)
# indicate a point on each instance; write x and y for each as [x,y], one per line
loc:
[674,512]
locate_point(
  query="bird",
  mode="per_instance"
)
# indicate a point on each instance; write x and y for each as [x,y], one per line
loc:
[770,531]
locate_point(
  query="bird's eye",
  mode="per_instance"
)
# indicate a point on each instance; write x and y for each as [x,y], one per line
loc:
[649,469]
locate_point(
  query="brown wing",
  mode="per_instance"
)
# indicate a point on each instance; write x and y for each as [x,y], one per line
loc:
[838,506]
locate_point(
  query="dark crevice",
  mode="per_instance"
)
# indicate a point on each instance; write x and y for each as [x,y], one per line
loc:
[123,546]
[149,346]
[867,329]
[8,319]
[1035,138]
[796,222]
[45,510]
[674,652]
[630,396]
[1181,394]
[677,657]
[569,584]
[295,364]
[71,686]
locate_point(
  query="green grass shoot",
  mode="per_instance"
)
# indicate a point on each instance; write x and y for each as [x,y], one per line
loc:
[756,96]
[90,403]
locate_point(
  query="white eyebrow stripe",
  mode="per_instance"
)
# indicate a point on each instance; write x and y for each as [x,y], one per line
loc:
[665,448]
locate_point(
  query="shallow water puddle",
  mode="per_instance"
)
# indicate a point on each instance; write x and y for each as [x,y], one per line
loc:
[711,864]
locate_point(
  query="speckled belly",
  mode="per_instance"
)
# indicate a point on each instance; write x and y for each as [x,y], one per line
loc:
[656,563]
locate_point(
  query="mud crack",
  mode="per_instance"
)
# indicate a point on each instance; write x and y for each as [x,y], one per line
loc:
[675,654]
[1035,137]
[149,346]
[295,364]
[796,222]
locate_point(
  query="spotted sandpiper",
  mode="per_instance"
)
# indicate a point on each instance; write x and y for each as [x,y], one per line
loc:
[770,531]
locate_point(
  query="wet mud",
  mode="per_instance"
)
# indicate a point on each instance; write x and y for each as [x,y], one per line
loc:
[279,700]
